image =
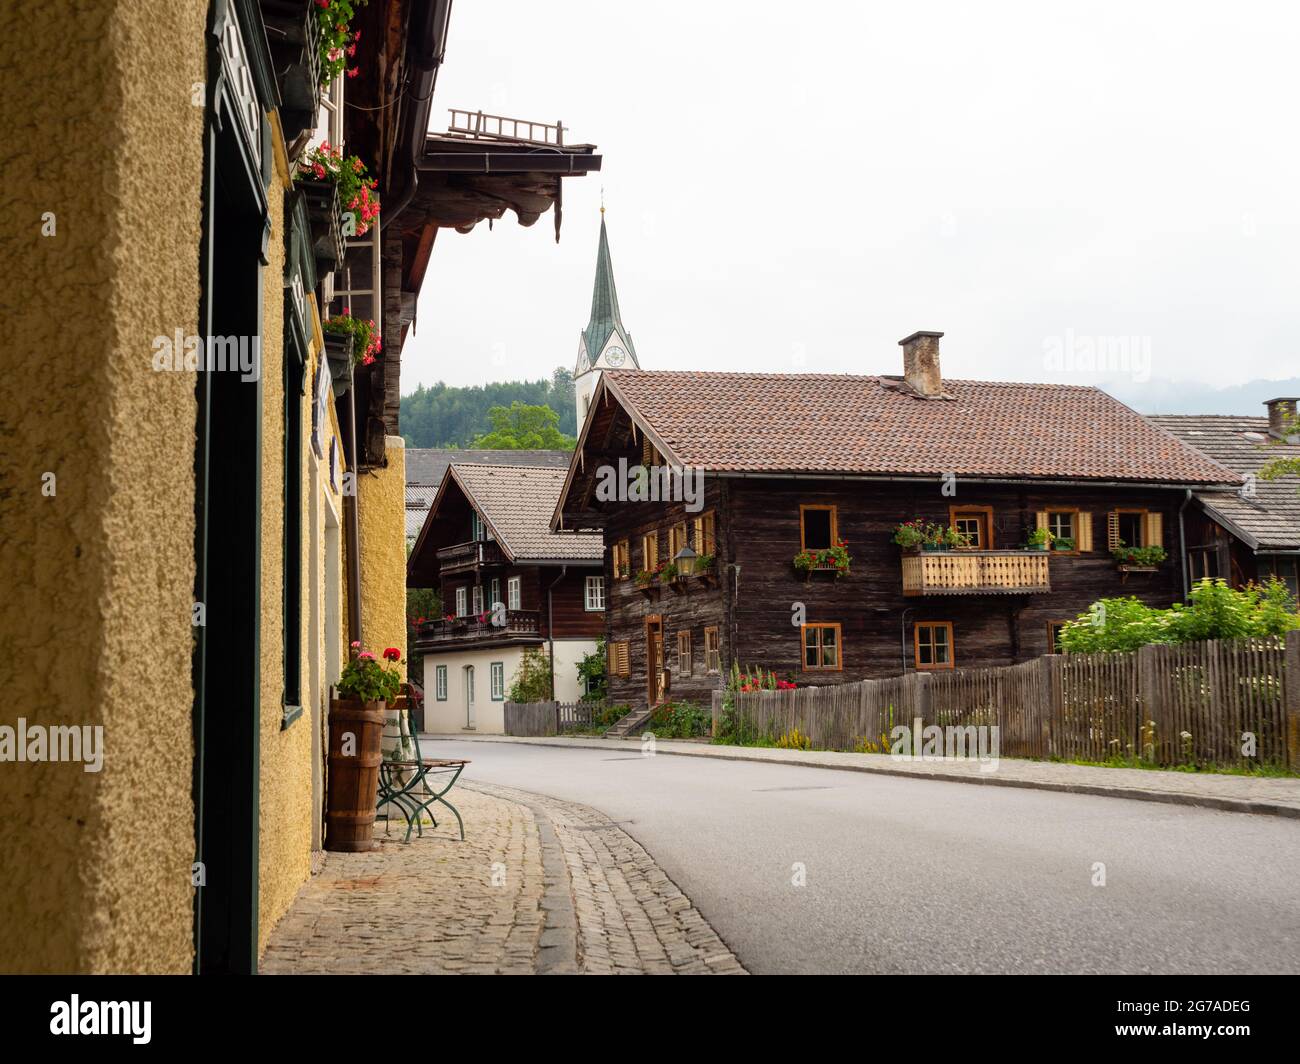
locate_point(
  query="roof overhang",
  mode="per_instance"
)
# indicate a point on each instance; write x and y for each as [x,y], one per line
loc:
[607,390]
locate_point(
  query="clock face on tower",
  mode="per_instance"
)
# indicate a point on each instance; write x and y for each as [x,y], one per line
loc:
[615,356]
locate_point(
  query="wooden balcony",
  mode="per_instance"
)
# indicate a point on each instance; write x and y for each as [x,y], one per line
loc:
[472,555]
[440,634]
[976,572]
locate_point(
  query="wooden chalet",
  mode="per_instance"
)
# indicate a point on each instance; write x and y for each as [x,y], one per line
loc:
[1251,533]
[507,583]
[802,462]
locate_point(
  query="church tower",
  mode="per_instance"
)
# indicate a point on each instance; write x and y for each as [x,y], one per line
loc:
[605,343]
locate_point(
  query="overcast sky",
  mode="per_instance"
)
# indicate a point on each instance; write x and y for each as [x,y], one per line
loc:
[795,187]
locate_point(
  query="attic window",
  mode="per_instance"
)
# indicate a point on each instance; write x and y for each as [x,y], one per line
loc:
[1255,437]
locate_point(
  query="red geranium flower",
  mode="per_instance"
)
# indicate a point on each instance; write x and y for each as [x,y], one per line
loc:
[392,654]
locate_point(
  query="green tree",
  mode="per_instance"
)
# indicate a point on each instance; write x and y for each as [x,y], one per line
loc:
[532,680]
[591,673]
[443,416]
[522,427]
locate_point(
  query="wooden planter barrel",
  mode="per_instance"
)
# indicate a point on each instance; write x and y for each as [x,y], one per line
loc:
[353,784]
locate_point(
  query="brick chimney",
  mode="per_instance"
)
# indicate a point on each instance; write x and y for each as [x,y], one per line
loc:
[1281,418]
[921,362]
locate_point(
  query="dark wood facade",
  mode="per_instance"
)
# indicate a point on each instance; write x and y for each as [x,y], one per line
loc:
[758,598]
[457,553]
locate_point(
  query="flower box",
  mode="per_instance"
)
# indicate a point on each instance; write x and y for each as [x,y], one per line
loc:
[338,353]
[293,35]
[326,227]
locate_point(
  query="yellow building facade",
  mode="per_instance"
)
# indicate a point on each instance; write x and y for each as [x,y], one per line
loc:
[132,480]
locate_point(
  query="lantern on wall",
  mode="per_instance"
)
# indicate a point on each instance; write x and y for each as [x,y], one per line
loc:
[684,559]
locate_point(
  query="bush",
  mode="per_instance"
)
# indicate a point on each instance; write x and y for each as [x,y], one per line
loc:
[1216,611]
[680,720]
[532,681]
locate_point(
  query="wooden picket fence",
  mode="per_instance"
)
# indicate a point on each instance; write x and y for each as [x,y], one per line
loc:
[550,718]
[1195,703]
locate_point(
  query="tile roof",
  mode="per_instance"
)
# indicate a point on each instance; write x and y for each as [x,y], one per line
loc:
[1269,519]
[840,423]
[419,497]
[517,502]
[426,466]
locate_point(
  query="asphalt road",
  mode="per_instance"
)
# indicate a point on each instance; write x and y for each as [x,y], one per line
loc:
[908,875]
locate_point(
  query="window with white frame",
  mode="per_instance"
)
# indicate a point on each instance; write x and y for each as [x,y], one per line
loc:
[513,593]
[595,598]
[498,681]
[478,599]
[475,526]
[440,683]
[462,601]
[495,596]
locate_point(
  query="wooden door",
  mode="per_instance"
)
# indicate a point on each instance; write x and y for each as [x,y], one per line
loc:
[654,658]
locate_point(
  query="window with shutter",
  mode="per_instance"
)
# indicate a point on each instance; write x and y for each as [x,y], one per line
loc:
[618,659]
[1155,530]
[650,551]
[712,657]
[704,535]
[1085,532]
[684,653]
[1132,528]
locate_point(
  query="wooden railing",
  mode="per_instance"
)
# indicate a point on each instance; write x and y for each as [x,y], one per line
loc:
[441,631]
[479,125]
[468,555]
[975,572]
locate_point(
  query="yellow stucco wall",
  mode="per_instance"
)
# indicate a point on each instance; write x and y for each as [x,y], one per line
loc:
[284,843]
[98,579]
[381,506]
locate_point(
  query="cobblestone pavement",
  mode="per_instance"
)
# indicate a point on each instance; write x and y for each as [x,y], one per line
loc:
[1279,796]
[538,886]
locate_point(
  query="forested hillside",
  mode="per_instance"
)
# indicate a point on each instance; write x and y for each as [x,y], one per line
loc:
[443,416]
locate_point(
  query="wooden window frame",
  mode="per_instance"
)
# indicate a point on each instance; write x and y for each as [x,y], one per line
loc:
[1074,512]
[476,599]
[586,594]
[685,661]
[916,646]
[514,586]
[839,647]
[440,683]
[618,662]
[985,512]
[462,601]
[704,529]
[496,670]
[804,507]
[676,540]
[712,650]
[622,560]
[1051,633]
[647,563]
[1143,525]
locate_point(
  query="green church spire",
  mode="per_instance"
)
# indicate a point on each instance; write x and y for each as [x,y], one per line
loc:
[605,321]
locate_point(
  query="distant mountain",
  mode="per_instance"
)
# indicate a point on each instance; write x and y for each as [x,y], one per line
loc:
[1158,396]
